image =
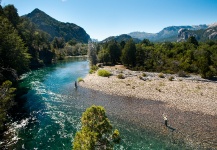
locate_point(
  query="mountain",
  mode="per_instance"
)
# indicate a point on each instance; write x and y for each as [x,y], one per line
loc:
[56,28]
[120,38]
[210,33]
[167,34]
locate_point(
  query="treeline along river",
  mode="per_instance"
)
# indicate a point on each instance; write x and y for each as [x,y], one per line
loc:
[51,110]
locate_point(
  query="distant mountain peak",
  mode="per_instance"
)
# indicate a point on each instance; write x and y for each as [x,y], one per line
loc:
[120,38]
[169,33]
[213,25]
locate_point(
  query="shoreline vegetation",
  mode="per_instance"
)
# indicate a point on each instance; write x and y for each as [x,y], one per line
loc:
[188,102]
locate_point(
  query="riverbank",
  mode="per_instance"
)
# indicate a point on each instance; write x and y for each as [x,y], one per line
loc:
[188,102]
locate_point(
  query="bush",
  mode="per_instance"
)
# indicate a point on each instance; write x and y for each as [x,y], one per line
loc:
[80,79]
[93,69]
[104,73]
[120,76]
[171,78]
[181,74]
[161,75]
[144,74]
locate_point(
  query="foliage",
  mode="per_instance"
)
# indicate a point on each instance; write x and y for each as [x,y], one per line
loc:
[37,43]
[58,43]
[13,52]
[11,13]
[92,53]
[6,101]
[104,56]
[181,74]
[103,73]
[80,79]
[168,57]
[54,28]
[128,56]
[161,75]
[120,76]
[144,74]
[93,69]
[171,78]
[96,131]
[114,52]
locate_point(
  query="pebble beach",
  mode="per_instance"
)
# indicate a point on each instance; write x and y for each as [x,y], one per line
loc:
[191,102]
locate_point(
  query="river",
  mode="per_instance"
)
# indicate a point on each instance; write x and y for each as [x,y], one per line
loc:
[51,110]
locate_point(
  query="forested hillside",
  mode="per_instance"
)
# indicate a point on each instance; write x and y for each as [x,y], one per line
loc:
[22,47]
[54,28]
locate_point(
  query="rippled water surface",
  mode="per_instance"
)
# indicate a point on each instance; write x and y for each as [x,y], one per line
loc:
[52,108]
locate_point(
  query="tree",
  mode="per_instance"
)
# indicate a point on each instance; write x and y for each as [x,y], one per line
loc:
[96,131]
[114,51]
[140,55]
[146,42]
[92,53]
[13,53]
[103,56]
[128,56]
[193,40]
[6,101]
[203,63]
[11,13]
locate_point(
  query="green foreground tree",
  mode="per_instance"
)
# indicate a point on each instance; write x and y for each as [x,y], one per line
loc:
[96,131]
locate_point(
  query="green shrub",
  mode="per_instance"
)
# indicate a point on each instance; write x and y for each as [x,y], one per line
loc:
[161,75]
[80,79]
[93,69]
[104,73]
[120,76]
[171,78]
[144,74]
[182,74]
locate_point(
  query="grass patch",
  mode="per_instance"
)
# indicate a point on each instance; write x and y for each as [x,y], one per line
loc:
[103,73]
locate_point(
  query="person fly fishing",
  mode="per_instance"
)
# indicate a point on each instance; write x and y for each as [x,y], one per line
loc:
[76,84]
[165,120]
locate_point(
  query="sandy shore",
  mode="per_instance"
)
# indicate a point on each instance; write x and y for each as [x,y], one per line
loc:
[190,101]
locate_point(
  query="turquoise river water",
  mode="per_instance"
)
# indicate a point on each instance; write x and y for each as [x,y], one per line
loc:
[52,108]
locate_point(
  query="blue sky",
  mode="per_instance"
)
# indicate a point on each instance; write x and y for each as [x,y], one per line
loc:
[104,18]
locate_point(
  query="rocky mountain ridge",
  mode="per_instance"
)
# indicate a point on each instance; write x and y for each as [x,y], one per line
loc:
[210,33]
[179,33]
